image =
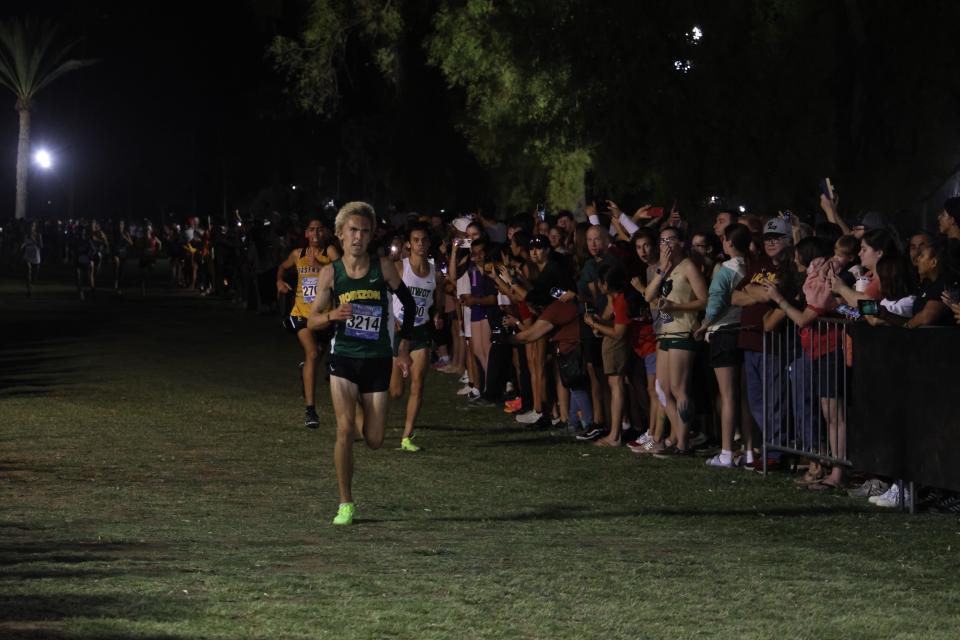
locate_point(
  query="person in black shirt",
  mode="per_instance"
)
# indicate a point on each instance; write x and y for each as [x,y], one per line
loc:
[935,277]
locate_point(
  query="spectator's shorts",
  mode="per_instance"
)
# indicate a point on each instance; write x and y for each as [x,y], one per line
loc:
[614,357]
[686,344]
[371,375]
[650,363]
[724,351]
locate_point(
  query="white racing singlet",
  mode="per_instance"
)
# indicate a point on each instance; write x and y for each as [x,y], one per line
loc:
[420,288]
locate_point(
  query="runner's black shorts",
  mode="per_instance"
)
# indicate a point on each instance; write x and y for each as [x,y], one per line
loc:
[295,324]
[369,374]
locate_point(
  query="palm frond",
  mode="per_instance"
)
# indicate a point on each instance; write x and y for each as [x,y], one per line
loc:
[32,55]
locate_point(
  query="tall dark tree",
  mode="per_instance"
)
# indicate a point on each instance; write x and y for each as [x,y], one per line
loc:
[32,55]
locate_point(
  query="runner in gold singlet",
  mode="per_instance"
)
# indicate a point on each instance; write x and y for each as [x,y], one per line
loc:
[308,262]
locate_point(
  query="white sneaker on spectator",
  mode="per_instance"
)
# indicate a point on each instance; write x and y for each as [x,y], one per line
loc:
[889,499]
[529,417]
[465,378]
[720,460]
[474,395]
[870,488]
[465,390]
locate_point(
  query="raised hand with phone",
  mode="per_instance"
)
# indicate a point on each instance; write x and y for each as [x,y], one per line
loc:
[829,203]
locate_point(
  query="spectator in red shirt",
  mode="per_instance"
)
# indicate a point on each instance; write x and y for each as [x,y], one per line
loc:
[612,326]
[560,324]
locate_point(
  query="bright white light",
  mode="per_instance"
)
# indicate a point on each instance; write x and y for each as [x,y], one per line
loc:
[742,208]
[43,159]
[294,187]
[696,33]
[713,200]
[683,66]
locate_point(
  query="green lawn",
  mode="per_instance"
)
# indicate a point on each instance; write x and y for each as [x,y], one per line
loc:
[156,482]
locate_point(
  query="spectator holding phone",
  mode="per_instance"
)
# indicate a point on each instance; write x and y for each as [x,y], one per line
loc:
[874,245]
[819,372]
[612,327]
[549,284]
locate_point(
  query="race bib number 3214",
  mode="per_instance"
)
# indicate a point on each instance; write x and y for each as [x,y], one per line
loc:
[365,322]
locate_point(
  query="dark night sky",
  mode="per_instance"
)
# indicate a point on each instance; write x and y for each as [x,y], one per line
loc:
[182,95]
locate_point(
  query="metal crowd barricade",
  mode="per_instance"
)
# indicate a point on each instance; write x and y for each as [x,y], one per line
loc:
[805,395]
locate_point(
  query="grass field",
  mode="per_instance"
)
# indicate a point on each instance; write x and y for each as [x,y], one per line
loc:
[156,482]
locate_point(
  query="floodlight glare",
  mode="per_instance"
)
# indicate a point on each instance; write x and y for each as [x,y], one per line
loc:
[43,159]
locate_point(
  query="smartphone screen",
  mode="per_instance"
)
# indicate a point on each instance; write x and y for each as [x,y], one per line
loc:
[868,307]
[655,212]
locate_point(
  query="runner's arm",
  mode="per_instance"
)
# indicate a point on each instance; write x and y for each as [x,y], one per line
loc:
[399,288]
[289,263]
[320,313]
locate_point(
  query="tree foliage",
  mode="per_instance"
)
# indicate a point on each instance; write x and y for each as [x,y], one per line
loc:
[32,55]
[776,94]
[314,60]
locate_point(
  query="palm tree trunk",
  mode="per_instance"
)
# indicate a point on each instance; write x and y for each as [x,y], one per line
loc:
[23,162]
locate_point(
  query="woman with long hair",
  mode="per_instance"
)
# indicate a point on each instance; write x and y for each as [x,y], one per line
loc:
[721,327]
[643,373]
[680,293]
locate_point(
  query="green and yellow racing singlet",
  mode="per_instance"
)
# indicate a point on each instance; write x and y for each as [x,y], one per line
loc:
[366,334]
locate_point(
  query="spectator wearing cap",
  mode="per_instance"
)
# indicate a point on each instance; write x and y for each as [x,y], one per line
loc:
[774,264]
[868,222]
[549,283]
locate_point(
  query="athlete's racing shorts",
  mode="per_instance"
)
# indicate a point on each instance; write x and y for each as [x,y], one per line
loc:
[369,374]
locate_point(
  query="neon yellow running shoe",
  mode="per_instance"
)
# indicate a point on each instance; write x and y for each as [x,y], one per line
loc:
[345,514]
[407,445]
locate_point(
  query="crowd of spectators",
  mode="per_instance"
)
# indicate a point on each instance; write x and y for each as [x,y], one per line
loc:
[617,329]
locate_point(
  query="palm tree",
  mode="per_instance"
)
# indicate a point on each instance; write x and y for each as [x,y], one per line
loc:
[31,57]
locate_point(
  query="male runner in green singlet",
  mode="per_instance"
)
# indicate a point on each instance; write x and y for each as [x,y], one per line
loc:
[360,360]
